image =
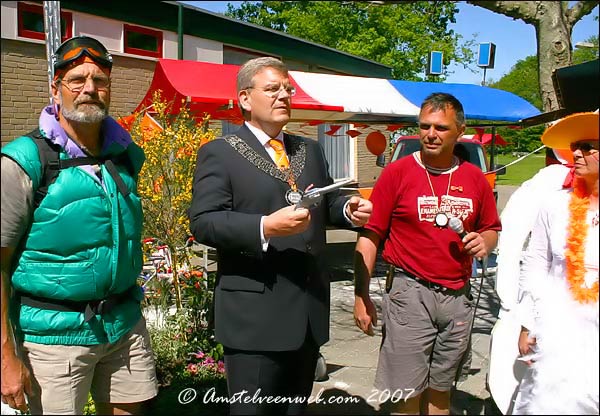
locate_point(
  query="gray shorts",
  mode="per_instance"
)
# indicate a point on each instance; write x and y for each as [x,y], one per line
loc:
[425,334]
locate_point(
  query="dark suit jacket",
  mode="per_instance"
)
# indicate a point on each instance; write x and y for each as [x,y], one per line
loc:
[264,301]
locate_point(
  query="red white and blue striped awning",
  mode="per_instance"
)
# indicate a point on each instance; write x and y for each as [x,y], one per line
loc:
[210,88]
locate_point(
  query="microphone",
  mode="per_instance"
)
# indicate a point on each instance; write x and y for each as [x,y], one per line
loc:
[456,225]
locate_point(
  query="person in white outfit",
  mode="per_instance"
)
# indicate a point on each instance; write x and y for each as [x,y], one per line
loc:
[518,216]
[558,287]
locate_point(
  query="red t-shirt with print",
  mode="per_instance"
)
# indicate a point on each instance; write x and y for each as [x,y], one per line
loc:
[404,208]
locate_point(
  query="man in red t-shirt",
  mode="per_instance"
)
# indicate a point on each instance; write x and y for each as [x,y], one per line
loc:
[427,309]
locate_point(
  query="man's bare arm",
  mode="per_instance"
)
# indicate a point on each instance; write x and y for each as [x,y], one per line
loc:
[15,376]
[8,346]
[365,255]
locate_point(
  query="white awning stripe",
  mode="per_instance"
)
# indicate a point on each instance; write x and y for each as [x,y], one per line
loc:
[355,94]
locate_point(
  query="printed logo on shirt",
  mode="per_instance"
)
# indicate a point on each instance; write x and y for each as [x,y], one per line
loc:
[452,205]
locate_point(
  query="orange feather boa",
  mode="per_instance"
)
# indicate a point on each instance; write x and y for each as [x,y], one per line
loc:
[575,250]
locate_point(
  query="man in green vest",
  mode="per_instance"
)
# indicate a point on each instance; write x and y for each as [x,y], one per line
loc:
[71,252]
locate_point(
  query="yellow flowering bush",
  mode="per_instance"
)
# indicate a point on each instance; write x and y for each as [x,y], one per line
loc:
[165,182]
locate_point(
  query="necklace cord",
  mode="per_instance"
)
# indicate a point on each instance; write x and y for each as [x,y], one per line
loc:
[431,186]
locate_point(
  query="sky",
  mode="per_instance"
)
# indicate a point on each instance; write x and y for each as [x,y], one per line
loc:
[514,39]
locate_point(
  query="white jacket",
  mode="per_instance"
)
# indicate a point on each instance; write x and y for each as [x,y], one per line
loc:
[564,376]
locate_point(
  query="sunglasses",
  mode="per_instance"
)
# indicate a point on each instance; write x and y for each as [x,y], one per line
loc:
[76,47]
[584,146]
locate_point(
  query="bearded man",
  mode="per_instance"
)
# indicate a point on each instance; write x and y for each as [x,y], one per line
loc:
[71,252]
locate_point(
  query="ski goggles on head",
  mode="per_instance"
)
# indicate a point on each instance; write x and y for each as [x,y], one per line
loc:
[81,46]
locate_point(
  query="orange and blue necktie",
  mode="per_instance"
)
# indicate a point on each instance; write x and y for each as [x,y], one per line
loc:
[281,159]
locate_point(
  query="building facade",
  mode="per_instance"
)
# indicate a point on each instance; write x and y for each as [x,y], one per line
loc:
[137,36]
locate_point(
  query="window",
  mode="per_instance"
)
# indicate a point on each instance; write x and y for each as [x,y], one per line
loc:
[228,127]
[30,19]
[142,41]
[337,150]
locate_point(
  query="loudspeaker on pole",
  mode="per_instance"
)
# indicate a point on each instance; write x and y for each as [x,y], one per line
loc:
[487,54]
[435,63]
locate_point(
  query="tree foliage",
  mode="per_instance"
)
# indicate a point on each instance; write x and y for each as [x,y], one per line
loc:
[399,35]
[553,22]
[586,54]
[523,81]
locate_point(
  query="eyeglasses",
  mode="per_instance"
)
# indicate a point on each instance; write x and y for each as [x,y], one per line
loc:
[584,145]
[76,83]
[74,48]
[273,91]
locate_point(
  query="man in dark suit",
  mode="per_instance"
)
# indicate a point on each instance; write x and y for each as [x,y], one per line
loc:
[272,292]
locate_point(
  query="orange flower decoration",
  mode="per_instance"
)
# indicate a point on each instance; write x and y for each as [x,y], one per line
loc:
[575,251]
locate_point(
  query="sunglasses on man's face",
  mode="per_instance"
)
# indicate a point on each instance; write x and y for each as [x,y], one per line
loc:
[584,145]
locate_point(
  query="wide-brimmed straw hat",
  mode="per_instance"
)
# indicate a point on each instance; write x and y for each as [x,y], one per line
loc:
[571,129]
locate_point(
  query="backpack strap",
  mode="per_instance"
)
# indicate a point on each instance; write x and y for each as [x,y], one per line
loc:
[49,154]
[114,173]
[52,164]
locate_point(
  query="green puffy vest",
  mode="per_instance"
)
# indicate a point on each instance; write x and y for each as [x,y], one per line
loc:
[84,244]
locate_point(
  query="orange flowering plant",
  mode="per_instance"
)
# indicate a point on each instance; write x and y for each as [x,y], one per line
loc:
[170,142]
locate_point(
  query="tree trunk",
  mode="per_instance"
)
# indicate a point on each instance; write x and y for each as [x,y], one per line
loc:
[553,22]
[554,48]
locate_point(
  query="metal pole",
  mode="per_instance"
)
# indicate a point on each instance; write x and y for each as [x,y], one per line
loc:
[493,149]
[52,29]
[180,33]
[483,82]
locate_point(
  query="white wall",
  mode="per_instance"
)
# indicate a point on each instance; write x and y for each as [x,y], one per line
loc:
[108,31]
[194,49]
[9,19]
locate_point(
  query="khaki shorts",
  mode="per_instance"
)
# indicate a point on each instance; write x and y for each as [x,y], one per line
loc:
[123,372]
[425,334]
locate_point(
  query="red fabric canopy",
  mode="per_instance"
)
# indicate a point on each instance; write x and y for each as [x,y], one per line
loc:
[210,88]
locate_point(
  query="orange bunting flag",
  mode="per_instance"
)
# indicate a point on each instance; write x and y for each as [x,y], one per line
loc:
[393,127]
[353,133]
[148,123]
[127,121]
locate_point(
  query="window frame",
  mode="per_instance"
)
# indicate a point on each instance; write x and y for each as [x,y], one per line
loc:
[158,34]
[67,17]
